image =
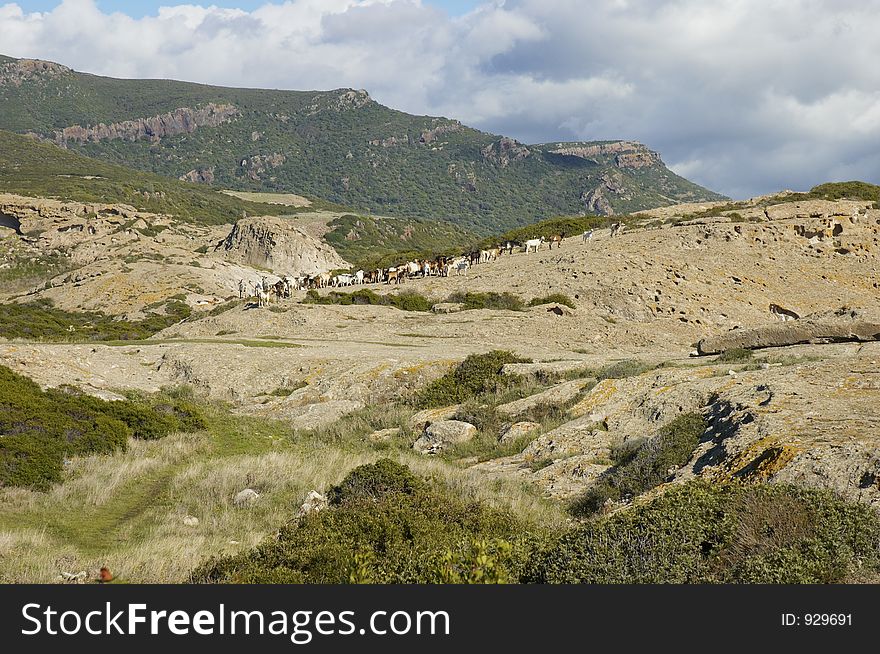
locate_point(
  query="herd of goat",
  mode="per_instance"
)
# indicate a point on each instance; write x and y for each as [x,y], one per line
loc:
[441,266]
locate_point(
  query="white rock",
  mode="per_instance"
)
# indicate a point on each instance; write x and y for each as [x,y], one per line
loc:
[313,503]
[518,429]
[190,520]
[440,435]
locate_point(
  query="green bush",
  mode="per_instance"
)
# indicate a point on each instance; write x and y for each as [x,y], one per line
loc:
[386,526]
[487,300]
[41,320]
[735,355]
[647,466]
[553,298]
[374,481]
[623,369]
[478,374]
[41,428]
[702,533]
[405,301]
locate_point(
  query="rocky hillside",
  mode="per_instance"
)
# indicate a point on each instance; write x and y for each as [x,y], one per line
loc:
[338,145]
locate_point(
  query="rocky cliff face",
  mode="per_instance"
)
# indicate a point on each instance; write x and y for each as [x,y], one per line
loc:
[626,154]
[184,120]
[276,244]
[505,150]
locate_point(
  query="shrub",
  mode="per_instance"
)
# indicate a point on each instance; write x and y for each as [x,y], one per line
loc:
[374,481]
[478,374]
[41,428]
[41,320]
[553,298]
[487,300]
[702,533]
[735,355]
[405,301]
[388,527]
[623,369]
[647,466]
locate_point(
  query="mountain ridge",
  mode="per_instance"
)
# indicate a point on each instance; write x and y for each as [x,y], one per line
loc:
[339,145]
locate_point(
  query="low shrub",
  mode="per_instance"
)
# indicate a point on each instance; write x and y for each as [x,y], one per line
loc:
[623,369]
[645,466]
[385,525]
[405,300]
[735,355]
[729,533]
[487,300]
[43,321]
[553,298]
[41,428]
[477,375]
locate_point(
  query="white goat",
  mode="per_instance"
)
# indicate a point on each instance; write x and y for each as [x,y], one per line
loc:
[533,244]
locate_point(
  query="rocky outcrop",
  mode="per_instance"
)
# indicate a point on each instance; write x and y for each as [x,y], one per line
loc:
[596,202]
[430,135]
[556,395]
[503,151]
[443,434]
[199,176]
[626,154]
[843,327]
[184,120]
[277,245]
[14,73]
[256,167]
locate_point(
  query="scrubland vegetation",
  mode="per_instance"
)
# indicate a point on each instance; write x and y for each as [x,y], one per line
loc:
[134,473]
[41,320]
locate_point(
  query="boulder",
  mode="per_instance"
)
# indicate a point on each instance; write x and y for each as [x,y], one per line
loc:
[190,520]
[246,497]
[312,503]
[442,434]
[423,418]
[517,430]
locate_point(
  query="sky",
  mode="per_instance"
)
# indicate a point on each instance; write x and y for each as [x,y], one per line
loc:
[743,96]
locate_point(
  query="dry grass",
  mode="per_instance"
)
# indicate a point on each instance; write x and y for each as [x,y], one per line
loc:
[127,511]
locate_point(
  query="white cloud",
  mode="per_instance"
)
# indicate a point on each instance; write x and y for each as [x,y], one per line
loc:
[744,96]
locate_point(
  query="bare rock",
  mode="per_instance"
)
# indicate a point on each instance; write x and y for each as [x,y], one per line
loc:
[557,395]
[447,307]
[440,435]
[517,430]
[423,418]
[275,244]
[190,520]
[313,503]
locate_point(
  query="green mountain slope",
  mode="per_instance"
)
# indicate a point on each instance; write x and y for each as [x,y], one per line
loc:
[338,145]
[28,167]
